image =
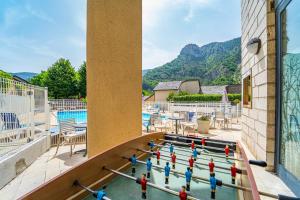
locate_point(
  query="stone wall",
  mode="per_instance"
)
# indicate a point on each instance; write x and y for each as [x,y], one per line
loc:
[191,87]
[258,122]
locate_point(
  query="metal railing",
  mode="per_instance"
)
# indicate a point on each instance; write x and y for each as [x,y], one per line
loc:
[24,114]
[67,104]
[62,109]
[197,107]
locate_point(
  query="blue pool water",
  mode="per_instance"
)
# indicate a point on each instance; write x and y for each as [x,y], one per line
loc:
[80,116]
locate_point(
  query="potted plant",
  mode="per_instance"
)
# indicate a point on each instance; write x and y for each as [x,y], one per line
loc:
[203,124]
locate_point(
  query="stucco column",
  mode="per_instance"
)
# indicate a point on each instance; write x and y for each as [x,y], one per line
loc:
[114,72]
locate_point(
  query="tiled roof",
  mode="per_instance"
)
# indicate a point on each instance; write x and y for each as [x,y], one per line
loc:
[216,89]
[172,85]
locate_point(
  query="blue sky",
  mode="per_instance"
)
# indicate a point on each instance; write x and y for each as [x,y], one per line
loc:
[35,33]
[168,25]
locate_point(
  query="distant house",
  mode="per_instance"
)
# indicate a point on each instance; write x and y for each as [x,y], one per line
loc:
[163,89]
[219,89]
[148,98]
[19,79]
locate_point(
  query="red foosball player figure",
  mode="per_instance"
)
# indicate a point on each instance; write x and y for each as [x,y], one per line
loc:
[203,142]
[233,170]
[173,159]
[182,194]
[211,166]
[158,157]
[192,145]
[191,163]
[143,182]
[226,151]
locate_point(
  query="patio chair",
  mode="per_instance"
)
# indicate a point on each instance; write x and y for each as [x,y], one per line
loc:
[12,129]
[219,118]
[190,123]
[10,121]
[161,125]
[69,134]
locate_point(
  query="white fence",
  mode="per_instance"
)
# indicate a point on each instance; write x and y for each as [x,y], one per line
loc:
[62,109]
[67,104]
[24,114]
[197,107]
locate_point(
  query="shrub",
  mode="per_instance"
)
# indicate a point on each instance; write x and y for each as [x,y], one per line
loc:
[232,97]
[204,118]
[204,97]
[198,97]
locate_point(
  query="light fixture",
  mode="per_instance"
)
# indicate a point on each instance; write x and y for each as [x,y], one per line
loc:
[254,45]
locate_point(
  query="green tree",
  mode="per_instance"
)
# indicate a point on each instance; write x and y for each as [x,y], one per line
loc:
[3,74]
[39,79]
[61,80]
[82,80]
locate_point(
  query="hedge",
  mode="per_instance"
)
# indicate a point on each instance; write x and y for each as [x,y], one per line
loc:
[205,97]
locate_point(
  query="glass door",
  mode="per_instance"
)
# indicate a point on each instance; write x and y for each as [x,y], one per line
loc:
[288,22]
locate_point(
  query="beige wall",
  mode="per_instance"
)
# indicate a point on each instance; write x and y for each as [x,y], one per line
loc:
[114,79]
[258,122]
[162,95]
[190,87]
[150,99]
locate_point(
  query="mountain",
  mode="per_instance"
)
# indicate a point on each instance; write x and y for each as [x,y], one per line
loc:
[24,75]
[215,63]
[144,71]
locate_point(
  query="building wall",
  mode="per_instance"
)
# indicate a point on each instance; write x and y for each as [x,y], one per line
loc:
[258,122]
[161,95]
[114,79]
[192,87]
[150,98]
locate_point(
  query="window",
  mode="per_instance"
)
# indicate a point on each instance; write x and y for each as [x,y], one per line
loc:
[247,91]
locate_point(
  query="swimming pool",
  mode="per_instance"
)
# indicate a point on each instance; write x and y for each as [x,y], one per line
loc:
[80,116]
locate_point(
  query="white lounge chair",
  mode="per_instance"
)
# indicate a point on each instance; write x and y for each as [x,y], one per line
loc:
[68,133]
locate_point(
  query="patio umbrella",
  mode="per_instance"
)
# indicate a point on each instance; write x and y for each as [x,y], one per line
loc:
[225,97]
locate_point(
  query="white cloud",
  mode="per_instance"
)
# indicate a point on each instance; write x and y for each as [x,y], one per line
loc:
[153,10]
[154,56]
[38,14]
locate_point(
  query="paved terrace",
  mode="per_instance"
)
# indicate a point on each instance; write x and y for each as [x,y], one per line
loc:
[47,167]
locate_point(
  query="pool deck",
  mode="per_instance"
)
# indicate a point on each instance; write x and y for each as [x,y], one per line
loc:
[43,169]
[47,167]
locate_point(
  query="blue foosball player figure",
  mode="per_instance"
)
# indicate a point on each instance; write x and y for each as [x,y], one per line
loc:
[167,173]
[133,161]
[188,177]
[213,185]
[151,144]
[195,154]
[101,194]
[171,149]
[149,166]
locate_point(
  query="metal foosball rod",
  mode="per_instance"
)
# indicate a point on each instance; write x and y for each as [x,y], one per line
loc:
[202,158]
[199,140]
[145,151]
[150,184]
[100,195]
[203,153]
[224,172]
[207,181]
[197,145]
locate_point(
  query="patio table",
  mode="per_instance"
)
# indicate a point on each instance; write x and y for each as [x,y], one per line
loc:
[176,119]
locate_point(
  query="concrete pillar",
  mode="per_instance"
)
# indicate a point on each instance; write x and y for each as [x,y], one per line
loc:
[114,72]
